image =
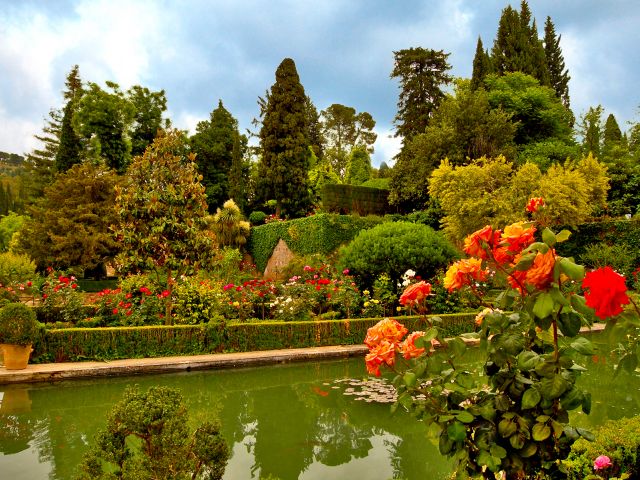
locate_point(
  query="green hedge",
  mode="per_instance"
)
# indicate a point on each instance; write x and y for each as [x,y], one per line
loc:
[341,198]
[322,233]
[614,232]
[79,344]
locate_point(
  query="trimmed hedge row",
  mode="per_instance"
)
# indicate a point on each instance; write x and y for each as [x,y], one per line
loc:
[341,198]
[80,344]
[322,233]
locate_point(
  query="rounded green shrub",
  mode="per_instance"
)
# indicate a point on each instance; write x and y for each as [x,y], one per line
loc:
[394,248]
[15,267]
[18,324]
[257,217]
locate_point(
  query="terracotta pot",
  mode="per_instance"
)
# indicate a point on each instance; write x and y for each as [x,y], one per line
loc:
[16,357]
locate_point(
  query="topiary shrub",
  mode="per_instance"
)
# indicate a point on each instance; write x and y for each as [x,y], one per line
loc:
[617,439]
[394,248]
[257,218]
[18,324]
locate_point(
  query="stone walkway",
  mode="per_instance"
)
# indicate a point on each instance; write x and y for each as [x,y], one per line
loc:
[50,372]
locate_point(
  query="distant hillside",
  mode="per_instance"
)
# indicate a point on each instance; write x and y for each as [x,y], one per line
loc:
[11,159]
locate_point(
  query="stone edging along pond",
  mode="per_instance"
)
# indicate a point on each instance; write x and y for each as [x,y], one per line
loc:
[76,370]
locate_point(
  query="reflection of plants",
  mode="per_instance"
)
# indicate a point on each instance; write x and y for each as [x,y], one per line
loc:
[147,436]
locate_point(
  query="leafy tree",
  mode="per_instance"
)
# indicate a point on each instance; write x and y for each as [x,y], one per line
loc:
[539,114]
[590,129]
[213,144]
[162,213]
[70,226]
[9,225]
[358,166]
[516,47]
[147,120]
[392,248]
[481,65]
[284,165]
[321,174]
[70,145]
[422,74]
[463,127]
[103,119]
[548,152]
[344,129]
[558,75]
[230,227]
[147,436]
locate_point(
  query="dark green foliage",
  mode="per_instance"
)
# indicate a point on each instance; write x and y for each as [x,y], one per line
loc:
[612,136]
[548,152]
[381,183]
[617,439]
[147,120]
[238,173]
[322,233]
[314,129]
[70,227]
[623,233]
[358,166]
[539,113]
[103,120]
[257,218]
[213,145]
[148,437]
[517,48]
[590,129]
[558,75]
[85,344]
[394,248]
[70,144]
[481,65]
[284,165]
[422,73]
[40,162]
[346,199]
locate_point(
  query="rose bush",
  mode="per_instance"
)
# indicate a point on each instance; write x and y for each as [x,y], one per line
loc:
[514,421]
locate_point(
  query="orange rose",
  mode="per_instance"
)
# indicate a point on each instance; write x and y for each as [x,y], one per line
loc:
[463,272]
[386,329]
[414,294]
[384,352]
[517,236]
[476,244]
[539,275]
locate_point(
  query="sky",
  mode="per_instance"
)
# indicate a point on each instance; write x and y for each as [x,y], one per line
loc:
[201,51]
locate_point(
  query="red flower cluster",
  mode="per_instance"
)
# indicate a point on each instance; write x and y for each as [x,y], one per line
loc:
[534,204]
[464,272]
[605,292]
[502,246]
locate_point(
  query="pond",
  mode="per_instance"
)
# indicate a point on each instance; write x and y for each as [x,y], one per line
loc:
[305,421]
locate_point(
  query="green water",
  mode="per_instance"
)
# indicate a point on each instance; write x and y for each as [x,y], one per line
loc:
[289,421]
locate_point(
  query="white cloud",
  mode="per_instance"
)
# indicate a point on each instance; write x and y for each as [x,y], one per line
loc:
[386,147]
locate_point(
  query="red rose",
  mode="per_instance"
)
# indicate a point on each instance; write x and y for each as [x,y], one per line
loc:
[416,293]
[605,292]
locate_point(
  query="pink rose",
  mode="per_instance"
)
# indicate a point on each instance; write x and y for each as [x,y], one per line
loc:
[601,462]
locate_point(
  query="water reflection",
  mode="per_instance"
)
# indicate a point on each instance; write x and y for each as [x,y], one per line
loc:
[287,422]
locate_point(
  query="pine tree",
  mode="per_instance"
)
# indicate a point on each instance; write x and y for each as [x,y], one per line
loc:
[314,129]
[284,143]
[612,134]
[40,163]
[558,75]
[213,145]
[237,176]
[517,47]
[422,73]
[590,129]
[481,65]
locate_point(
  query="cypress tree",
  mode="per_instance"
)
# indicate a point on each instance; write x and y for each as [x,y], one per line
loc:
[612,134]
[314,129]
[481,65]
[558,75]
[237,180]
[70,146]
[284,165]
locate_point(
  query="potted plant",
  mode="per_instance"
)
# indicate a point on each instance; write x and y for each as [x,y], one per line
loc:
[18,329]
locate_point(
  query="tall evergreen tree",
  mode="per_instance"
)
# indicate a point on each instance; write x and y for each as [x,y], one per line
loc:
[284,164]
[314,129]
[238,174]
[558,75]
[481,65]
[590,129]
[422,74]
[40,163]
[213,145]
[612,135]
[358,166]
[70,145]
[517,47]
[147,120]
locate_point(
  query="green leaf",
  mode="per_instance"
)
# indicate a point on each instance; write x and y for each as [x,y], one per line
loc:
[409,379]
[506,428]
[540,432]
[563,236]
[497,451]
[530,398]
[586,434]
[528,450]
[445,444]
[543,306]
[553,387]
[572,270]
[457,346]
[583,346]
[528,360]
[569,324]
[579,305]
[572,399]
[465,417]
[457,432]
[548,237]
[430,334]
[517,441]
[629,362]
[525,262]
